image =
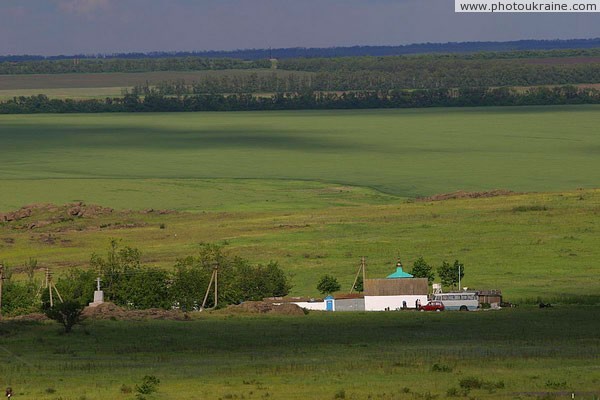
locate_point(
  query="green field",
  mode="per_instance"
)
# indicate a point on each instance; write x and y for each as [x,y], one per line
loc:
[512,354]
[406,153]
[317,190]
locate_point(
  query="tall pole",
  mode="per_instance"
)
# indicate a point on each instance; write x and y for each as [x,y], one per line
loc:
[364,265]
[1,280]
[216,284]
[49,283]
[459,277]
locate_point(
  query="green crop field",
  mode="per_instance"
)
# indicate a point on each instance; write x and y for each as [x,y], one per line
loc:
[317,190]
[525,353]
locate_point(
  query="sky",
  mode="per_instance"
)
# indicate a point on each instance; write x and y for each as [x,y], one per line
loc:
[51,27]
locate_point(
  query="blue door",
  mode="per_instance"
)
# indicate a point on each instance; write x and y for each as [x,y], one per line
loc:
[329,303]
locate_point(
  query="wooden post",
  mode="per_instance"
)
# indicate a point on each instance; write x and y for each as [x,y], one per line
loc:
[216,271]
[364,265]
[1,280]
[361,267]
[49,284]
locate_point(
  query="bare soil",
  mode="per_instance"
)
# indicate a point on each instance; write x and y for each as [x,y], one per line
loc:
[114,312]
[261,307]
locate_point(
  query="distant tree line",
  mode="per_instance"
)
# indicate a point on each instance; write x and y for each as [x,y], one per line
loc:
[351,51]
[127,65]
[154,102]
[389,73]
[128,283]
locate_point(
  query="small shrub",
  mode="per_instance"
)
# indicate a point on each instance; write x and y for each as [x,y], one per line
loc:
[340,394]
[50,390]
[162,226]
[556,385]
[149,385]
[441,368]
[471,383]
[126,389]
[405,390]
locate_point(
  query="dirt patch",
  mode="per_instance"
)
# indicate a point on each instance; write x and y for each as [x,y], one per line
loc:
[31,317]
[261,307]
[114,312]
[73,216]
[468,195]
[51,213]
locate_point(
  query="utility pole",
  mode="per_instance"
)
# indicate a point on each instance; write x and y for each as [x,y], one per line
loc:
[50,285]
[459,278]
[364,276]
[1,280]
[213,278]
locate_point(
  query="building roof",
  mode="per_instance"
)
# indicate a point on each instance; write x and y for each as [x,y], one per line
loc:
[399,274]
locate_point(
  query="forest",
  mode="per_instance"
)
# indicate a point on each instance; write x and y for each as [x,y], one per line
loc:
[156,102]
[351,51]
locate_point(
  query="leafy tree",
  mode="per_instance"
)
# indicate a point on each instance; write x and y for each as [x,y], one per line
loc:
[359,286]
[68,313]
[127,283]
[449,273]
[423,270]
[238,280]
[77,285]
[18,297]
[328,284]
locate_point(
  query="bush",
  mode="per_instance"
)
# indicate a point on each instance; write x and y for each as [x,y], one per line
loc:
[441,368]
[328,284]
[149,385]
[67,313]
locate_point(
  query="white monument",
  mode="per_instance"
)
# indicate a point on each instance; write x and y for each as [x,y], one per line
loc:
[98,295]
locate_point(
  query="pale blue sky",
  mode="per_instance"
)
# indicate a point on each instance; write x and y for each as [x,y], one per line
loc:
[105,26]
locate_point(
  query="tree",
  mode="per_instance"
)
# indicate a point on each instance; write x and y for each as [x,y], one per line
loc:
[359,286]
[449,273]
[423,270]
[67,313]
[328,284]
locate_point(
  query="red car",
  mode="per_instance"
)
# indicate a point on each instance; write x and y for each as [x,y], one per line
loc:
[433,306]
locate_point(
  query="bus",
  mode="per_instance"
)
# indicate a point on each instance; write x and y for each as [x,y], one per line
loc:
[462,301]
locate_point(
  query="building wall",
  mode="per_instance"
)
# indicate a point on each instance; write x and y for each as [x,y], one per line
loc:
[396,287]
[381,303]
[317,305]
[357,304]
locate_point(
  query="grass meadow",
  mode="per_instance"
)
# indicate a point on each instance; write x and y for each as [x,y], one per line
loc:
[525,353]
[527,245]
[315,191]
[407,153]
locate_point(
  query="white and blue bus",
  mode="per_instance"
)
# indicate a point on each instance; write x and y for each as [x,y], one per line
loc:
[463,301]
